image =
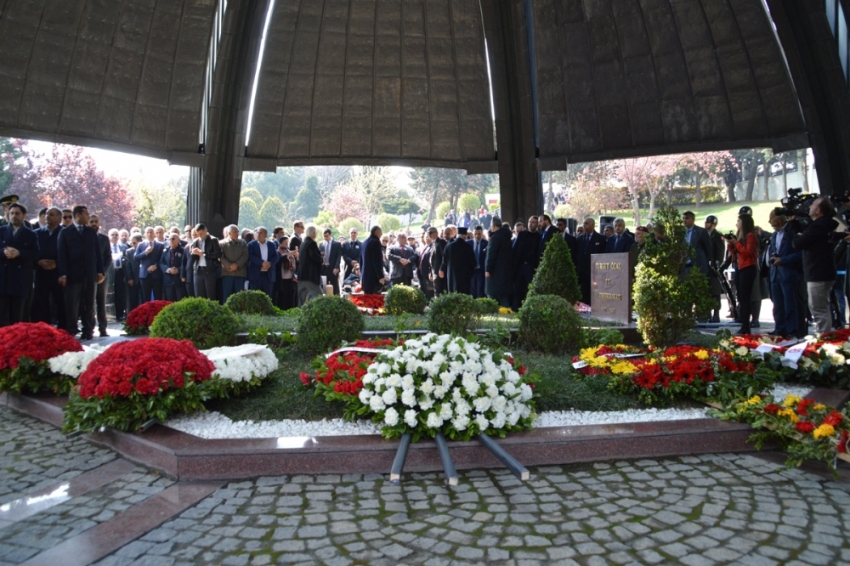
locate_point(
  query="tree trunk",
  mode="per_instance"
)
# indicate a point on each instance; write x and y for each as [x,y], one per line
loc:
[551,195]
[766,180]
[698,186]
[433,209]
[784,175]
[636,207]
[803,165]
[652,196]
[752,169]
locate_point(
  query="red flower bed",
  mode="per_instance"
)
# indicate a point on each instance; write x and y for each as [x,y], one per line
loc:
[140,318]
[145,366]
[368,304]
[341,375]
[24,350]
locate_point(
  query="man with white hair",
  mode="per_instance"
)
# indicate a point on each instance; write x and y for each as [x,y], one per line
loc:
[234,262]
[262,259]
[309,267]
[621,241]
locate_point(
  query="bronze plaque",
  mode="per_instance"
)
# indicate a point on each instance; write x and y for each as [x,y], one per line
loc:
[611,287]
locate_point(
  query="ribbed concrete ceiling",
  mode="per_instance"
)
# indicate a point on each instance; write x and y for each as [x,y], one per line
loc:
[389,80]
[112,73]
[630,77]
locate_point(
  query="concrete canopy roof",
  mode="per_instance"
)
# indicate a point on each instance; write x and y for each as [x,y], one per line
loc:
[374,81]
[121,74]
[620,78]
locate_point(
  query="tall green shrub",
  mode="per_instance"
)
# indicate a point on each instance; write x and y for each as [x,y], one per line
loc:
[667,294]
[557,273]
[326,322]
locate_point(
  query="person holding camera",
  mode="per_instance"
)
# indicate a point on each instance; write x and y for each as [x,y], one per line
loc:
[818,265]
[786,265]
[745,250]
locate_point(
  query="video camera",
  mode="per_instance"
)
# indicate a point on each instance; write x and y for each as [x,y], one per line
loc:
[797,204]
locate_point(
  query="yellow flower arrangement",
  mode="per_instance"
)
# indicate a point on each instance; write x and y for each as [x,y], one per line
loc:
[754,400]
[791,401]
[623,368]
[701,354]
[819,407]
[792,416]
[505,310]
[823,431]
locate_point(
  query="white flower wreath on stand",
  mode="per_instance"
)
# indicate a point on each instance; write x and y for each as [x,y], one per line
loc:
[441,383]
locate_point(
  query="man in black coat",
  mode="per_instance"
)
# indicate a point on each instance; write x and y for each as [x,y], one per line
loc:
[351,252]
[18,255]
[589,243]
[498,266]
[458,264]
[131,273]
[437,251]
[309,268]
[479,250]
[372,263]
[80,271]
[171,265]
[206,256]
[119,288]
[106,253]
[402,258]
[149,253]
[547,232]
[526,258]
[818,265]
[331,257]
[426,282]
[49,298]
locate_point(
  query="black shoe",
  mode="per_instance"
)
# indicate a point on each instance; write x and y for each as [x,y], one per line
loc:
[755,324]
[715,320]
[104,334]
[742,333]
[86,337]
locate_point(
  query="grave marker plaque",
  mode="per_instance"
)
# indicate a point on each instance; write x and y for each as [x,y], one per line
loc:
[611,287]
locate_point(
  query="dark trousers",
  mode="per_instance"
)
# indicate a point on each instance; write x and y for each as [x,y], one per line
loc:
[189,287]
[477,284]
[523,278]
[119,294]
[151,287]
[49,299]
[333,280]
[262,284]
[503,300]
[79,303]
[745,279]
[100,300]
[12,309]
[286,294]
[134,295]
[440,285]
[173,292]
[205,281]
[785,302]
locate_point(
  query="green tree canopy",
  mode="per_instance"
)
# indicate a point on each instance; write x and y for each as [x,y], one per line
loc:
[346,225]
[468,202]
[388,222]
[307,201]
[254,195]
[249,215]
[273,213]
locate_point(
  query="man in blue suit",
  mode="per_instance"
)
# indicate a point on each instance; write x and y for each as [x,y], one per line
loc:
[331,257]
[786,267]
[18,254]
[149,254]
[479,249]
[621,241]
[49,297]
[80,271]
[171,266]
[590,243]
[262,259]
[698,239]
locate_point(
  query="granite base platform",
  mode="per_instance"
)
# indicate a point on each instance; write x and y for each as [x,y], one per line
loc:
[187,457]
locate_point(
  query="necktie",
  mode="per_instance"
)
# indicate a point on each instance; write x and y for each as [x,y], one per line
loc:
[617,242]
[117,260]
[81,230]
[477,262]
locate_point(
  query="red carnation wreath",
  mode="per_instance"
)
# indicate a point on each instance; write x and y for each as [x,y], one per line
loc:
[25,349]
[139,320]
[135,381]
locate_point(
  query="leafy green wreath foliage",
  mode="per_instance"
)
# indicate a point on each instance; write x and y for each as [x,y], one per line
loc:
[557,273]
[208,324]
[668,295]
[550,324]
[326,322]
[250,302]
[453,313]
[402,299]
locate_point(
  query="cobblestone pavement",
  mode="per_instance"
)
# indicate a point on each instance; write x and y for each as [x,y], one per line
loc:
[714,509]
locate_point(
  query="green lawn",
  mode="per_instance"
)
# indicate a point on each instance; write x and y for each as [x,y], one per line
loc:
[726,213]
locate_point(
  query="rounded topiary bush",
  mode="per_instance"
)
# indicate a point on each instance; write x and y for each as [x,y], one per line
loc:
[486,306]
[403,299]
[250,302]
[452,313]
[326,322]
[548,323]
[206,323]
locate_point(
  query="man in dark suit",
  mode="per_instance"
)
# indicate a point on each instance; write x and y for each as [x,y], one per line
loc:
[526,250]
[262,260]
[479,249]
[589,244]
[100,297]
[499,263]
[372,263]
[296,240]
[547,232]
[718,248]
[18,255]
[351,252]
[131,273]
[119,287]
[458,264]
[80,271]
[786,271]
[49,299]
[700,241]
[171,266]
[206,253]
[331,258]
[187,274]
[309,268]
[437,252]
[402,260]
[149,254]
[424,267]
[621,241]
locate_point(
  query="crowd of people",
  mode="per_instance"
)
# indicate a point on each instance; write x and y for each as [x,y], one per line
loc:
[60,268]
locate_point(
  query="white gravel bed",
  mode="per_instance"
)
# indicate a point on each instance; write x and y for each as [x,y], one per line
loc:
[214,425]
